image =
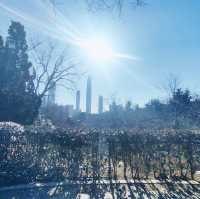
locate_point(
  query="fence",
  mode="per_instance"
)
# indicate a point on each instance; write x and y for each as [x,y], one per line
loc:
[96,154]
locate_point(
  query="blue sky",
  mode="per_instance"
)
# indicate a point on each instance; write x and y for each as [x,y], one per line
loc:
[163,35]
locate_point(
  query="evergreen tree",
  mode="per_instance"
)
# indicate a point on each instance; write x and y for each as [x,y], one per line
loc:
[128,107]
[18,65]
[180,104]
[2,53]
[18,100]
[1,42]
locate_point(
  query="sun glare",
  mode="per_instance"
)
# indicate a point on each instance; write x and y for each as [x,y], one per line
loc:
[101,50]
[98,49]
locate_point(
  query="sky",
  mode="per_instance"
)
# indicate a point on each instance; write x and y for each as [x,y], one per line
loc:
[163,37]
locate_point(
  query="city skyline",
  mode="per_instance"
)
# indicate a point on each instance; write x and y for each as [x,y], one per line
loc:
[50,99]
[88,96]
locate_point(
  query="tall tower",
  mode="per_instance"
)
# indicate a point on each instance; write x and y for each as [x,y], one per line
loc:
[100,105]
[51,94]
[89,95]
[78,97]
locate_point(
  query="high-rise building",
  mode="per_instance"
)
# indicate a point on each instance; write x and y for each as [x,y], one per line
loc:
[89,95]
[51,98]
[100,105]
[78,96]
[69,110]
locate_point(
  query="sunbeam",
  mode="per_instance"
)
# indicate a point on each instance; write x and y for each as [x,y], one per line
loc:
[59,27]
[50,27]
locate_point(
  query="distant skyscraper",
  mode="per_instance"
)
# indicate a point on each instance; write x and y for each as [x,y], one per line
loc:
[51,98]
[78,96]
[70,110]
[89,95]
[100,106]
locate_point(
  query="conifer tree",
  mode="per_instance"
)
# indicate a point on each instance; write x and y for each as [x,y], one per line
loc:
[19,65]
[1,59]
[18,100]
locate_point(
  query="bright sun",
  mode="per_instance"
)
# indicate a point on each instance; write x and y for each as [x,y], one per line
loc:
[101,50]
[98,49]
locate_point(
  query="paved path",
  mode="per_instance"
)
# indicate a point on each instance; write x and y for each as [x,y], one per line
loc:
[104,182]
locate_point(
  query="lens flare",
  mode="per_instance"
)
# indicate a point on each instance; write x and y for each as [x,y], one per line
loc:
[61,28]
[97,49]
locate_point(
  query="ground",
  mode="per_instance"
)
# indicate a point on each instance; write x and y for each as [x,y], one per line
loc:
[105,189]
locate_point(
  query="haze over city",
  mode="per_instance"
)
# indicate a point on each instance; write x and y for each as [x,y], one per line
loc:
[99,99]
[161,38]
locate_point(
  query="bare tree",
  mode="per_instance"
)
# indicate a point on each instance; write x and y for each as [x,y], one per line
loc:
[110,5]
[173,83]
[170,85]
[118,5]
[52,66]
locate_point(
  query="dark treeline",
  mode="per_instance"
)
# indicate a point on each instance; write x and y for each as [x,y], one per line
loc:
[41,156]
[181,110]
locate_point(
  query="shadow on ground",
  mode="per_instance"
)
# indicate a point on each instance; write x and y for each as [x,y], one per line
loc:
[95,190]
